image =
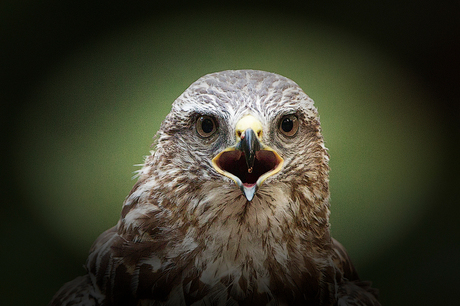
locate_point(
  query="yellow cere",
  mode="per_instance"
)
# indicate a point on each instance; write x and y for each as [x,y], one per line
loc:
[248,122]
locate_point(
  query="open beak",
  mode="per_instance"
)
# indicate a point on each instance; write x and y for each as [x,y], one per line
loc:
[249,162]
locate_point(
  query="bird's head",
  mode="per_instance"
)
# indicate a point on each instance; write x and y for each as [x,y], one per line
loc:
[245,130]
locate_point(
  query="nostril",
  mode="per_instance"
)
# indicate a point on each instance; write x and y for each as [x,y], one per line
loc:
[259,134]
[238,133]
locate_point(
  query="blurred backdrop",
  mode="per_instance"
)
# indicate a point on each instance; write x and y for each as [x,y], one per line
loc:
[85,87]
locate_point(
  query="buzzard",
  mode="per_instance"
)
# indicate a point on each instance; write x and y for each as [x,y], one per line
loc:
[230,208]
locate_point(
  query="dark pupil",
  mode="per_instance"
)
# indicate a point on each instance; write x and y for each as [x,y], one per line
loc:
[287,124]
[207,126]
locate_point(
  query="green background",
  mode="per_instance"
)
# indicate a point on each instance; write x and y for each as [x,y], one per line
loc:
[87,86]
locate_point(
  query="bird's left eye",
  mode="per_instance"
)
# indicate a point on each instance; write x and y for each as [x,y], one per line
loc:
[206,126]
[289,125]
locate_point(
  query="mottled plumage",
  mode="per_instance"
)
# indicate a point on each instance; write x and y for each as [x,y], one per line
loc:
[206,224]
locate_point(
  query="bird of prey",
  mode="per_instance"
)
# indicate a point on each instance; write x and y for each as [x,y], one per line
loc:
[230,208]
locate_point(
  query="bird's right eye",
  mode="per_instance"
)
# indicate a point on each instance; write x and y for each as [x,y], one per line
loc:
[206,126]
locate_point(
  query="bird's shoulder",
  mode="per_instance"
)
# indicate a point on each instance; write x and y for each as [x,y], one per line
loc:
[79,291]
[351,290]
[128,264]
[82,290]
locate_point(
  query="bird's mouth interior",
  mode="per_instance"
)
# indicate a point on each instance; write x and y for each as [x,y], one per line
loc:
[234,162]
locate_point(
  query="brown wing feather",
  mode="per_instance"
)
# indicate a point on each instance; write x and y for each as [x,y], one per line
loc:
[82,291]
[352,291]
[343,261]
[76,292]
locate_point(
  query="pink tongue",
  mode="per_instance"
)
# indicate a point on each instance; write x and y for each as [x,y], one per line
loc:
[249,185]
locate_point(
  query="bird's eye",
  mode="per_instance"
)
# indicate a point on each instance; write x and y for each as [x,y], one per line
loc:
[289,125]
[206,126]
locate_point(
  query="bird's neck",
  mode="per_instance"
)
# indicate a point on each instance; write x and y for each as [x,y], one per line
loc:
[274,239]
[236,236]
